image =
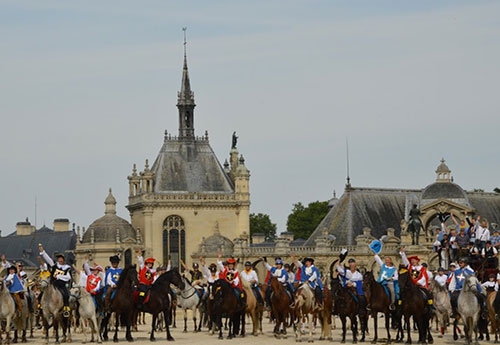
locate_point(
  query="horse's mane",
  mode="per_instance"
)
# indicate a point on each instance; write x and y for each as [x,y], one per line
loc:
[166,276]
[125,273]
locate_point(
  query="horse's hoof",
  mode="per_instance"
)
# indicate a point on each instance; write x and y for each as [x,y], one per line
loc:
[170,338]
[455,337]
[220,337]
[342,341]
[152,339]
[185,331]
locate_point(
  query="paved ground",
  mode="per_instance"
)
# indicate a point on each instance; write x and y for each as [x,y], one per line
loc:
[141,337]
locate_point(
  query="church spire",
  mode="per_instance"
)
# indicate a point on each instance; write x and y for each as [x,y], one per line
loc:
[185,101]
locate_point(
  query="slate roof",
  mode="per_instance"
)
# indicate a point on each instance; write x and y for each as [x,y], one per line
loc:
[189,166]
[25,248]
[105,228]
[380,208]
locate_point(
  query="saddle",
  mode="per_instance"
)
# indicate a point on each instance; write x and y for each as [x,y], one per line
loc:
[141,294]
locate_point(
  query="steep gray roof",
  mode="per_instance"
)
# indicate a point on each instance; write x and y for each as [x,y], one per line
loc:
[379,209]
[104,230]
[25,248]
[189,166]
[357,208]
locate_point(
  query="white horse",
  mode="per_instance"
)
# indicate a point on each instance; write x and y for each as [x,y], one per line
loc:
[52,304]
[468,307]
[189,299]
[7,310]
[86,309]
[442,306]
[21,320]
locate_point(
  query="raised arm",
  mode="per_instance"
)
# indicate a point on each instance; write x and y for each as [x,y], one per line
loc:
[45,256]
[378,260]
[403,257]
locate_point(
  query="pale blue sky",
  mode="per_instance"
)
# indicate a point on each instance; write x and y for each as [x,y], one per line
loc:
[88,88]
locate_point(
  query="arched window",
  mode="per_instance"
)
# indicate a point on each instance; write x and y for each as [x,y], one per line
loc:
[174,240]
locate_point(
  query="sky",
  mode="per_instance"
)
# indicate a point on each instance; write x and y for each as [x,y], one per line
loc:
[87,89]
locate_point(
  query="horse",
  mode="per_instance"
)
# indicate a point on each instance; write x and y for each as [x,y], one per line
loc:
[21,320]
[253,309]
[379,301]
[325,315]
[122,304]
[7,310]
[52,304]
[280,306]
[225,303]
[413,227]
[303,309]
[346,306]
[414,303]
[160,299]
[468,308]
[495,324]
[87,311]
[189,298]
[442,306]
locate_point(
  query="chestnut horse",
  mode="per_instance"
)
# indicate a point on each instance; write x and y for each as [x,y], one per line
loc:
[225,303]
[280,306]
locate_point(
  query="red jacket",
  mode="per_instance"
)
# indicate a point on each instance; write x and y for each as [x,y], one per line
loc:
[232,277]
[93,284]
[146,276]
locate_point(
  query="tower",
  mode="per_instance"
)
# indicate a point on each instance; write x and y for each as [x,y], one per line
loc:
[187,193]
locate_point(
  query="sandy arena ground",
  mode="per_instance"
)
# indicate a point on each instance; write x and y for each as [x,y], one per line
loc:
[141,337]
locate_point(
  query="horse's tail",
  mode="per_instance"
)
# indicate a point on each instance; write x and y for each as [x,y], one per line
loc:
[256,262]
[245,283]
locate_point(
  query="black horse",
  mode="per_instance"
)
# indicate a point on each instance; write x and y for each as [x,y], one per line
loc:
[122,304]
[160,299]
[414,304]
[225,303]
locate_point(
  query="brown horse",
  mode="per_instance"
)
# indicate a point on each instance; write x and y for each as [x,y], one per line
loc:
[280,306]
[414,304]
[225,303]
[325,315]
[254,309]
[379,301]
[495,324]
[122,304]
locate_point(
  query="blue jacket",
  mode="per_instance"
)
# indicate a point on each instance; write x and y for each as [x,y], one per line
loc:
[304,277]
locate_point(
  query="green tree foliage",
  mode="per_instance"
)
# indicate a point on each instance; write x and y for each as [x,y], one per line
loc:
[497,190]
[304,220]
[261,223]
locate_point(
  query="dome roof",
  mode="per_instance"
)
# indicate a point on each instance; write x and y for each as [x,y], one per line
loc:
[105,229]
[443,168]
[110,226]
[443,190]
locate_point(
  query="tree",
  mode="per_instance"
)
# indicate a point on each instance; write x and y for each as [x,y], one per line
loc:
[261,223]
[304,220]
[497,190]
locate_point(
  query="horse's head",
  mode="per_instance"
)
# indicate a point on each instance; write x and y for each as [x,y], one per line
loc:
[129,276]
[177,280]
[404,277]
[470,282]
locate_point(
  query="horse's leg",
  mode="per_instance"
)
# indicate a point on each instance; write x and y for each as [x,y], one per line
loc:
[375,327]
[165,315]
[128,327]
[387,317]
[455,326]
[242,320]
[354,328]
[194,319]
[153,324]
[184,311]
[344,327]
[408,329]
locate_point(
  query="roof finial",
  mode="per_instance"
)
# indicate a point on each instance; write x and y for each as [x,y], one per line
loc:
[348,184]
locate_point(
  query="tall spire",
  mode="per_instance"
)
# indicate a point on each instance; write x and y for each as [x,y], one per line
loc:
[185,101]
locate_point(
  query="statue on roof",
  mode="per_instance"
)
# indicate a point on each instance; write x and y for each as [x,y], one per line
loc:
[235,141]
[414,224]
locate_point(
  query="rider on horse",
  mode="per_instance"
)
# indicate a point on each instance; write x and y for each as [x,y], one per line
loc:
[111,279]
[310,274]
[282,275]
[197,279]
[353,279]
[388,277]
[457,283]
[16,288]
[146,276]
[418,274]
[61,276]
[232,276]
[414,224]
[251,277]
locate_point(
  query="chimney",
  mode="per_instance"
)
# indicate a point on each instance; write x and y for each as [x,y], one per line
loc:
[24,228]
[61,224]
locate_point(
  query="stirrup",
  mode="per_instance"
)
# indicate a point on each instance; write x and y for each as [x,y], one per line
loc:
[65,313]
[392,307]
